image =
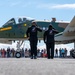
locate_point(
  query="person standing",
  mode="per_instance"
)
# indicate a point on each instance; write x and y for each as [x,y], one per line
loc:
[32,35]
[56,52]
[49,40]
[60,54]
[65,52]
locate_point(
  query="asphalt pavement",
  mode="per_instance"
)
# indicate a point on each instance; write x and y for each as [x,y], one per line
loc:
[40,66]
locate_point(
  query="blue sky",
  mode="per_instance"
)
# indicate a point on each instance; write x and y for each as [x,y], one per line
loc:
[38,9]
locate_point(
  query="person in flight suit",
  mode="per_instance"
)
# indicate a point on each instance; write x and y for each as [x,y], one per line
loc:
[32,35]
[49,40]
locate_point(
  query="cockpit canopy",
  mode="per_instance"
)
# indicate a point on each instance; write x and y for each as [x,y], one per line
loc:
[19,20]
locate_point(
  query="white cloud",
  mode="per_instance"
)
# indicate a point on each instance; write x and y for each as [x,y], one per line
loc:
[57,6]
[71,6]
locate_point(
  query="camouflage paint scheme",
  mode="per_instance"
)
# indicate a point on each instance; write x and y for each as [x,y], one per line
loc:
[11,29]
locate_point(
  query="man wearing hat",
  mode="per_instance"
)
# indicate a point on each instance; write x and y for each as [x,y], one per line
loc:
[49,40]
[32,35]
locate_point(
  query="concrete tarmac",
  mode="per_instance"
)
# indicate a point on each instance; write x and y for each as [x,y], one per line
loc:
[40,66]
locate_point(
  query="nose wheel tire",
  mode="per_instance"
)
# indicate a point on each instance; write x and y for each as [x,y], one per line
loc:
[18,55]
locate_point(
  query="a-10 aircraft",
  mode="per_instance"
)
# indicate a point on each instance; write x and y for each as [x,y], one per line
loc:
[16,30]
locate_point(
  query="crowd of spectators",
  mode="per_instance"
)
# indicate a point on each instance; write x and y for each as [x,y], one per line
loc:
[62,52]
[10,53]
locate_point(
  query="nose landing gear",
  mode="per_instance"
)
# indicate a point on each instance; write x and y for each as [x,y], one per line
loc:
[18,51]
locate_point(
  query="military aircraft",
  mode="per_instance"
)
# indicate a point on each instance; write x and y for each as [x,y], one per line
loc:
[14,30]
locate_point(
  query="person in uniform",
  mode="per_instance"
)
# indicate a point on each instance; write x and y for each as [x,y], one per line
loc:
[49,40]
[32,35]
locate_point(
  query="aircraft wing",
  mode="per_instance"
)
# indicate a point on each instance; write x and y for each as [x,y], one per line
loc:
[68,35]
[9,40]
[5,41]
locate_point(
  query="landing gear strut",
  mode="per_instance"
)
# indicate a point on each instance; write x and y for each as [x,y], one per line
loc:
[18,51]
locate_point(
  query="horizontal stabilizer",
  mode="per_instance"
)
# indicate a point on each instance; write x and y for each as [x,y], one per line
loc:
[68,35]
[70,29]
